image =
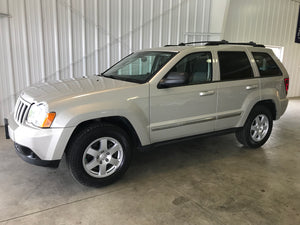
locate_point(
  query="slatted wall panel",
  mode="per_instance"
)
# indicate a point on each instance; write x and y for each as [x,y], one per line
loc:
[57,39]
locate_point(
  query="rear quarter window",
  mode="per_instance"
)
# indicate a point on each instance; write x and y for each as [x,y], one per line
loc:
[266,65]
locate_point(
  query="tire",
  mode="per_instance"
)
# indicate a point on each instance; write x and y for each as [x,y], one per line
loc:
[99,155]
[257,128]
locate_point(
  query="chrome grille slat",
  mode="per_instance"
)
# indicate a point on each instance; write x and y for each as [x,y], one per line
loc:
[17,107]
[21,110]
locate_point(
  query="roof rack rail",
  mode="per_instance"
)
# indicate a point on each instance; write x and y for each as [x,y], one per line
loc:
[188,43]
[223,42]
[180,44]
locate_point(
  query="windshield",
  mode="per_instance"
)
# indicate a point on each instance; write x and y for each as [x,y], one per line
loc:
[139,67]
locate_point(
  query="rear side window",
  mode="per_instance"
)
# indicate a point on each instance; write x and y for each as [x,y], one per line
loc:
[234,66]
[266,65]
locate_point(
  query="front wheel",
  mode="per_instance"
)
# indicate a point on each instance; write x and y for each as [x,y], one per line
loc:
[257,129]
[99,155]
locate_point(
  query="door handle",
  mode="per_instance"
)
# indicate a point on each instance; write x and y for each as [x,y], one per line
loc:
[249,87]
[205,93]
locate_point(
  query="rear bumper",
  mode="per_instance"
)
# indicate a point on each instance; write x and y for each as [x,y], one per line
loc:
[29,156]
[283,106]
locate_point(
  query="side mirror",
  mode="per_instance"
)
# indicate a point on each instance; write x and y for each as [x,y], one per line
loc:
[173,79]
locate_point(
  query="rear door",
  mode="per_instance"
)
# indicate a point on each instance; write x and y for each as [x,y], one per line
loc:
[237,85]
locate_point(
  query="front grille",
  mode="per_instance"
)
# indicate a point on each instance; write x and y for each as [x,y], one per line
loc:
[21,110]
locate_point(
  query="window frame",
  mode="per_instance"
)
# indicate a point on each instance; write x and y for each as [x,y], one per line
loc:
[259,73]
[193,53]
[173,54]
[233,51]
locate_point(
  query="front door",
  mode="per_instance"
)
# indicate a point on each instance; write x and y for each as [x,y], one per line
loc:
[188,109]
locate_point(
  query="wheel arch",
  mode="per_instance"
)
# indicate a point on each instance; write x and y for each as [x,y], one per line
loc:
[118,121]
[269,104]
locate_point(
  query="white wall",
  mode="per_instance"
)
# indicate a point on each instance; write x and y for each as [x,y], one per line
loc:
[269,22]
[219,11]
[56,39]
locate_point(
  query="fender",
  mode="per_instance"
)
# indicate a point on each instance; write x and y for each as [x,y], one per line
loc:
[247,106]
[132,106]
[279,101]
[270,94]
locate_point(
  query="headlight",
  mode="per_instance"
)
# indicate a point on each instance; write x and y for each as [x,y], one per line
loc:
[39,116]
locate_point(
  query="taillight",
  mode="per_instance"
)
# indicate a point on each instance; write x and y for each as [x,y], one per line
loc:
[286,83]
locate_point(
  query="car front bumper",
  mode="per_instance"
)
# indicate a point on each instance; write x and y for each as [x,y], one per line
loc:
[29,156]
[44,144]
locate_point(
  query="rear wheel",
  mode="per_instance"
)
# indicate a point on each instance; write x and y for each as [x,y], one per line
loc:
[99,155]
[257,129]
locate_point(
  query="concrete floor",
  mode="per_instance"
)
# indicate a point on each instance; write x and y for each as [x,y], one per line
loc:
[207,181]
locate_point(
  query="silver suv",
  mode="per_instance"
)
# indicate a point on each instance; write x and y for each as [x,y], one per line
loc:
[148,98]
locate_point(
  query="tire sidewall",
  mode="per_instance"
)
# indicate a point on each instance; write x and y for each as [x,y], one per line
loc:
[83,140]
[259,110]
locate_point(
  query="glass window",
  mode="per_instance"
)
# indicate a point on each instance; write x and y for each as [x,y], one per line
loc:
[266,65]
[234,65]
[198,66]
[139,67]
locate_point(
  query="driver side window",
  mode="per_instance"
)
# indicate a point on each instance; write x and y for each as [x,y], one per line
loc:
[198,67]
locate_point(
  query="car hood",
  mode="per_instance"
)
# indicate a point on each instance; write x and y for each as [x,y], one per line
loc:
[62,89]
